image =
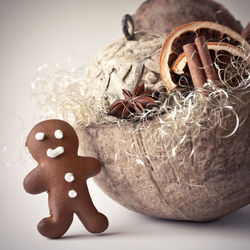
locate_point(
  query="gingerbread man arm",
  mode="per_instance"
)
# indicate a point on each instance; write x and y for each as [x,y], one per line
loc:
[91,166]
[35,181]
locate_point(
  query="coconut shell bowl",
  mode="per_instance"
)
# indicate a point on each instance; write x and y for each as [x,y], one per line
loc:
[174,136]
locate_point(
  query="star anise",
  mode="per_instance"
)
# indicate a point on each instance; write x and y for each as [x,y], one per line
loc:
[135,103]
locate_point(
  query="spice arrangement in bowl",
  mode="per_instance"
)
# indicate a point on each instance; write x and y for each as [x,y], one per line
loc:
[166,114]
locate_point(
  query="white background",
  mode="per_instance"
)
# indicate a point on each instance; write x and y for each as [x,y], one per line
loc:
[34,33]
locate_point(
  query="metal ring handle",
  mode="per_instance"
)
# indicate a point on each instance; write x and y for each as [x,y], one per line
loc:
[128,26]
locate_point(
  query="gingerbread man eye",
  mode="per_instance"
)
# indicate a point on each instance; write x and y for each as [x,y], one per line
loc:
[39,136]
[58,134]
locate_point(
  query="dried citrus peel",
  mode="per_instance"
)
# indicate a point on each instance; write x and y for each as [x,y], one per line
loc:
[172,47]
[181,61]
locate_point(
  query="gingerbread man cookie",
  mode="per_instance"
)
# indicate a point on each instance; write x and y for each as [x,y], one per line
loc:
[63,174]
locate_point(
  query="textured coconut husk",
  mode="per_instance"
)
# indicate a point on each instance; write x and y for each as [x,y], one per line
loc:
[166,15]
[125,64]
[211,183]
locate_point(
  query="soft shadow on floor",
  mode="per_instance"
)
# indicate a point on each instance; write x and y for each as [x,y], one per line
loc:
[236,221]
[87,236]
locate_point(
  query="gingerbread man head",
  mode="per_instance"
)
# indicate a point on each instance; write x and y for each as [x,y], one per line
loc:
[52,139]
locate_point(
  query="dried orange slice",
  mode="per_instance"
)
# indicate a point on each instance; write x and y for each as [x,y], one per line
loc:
[181,61]
[172,48]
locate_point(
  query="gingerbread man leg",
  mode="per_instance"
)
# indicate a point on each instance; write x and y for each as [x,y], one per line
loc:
[56,225]
[94,222]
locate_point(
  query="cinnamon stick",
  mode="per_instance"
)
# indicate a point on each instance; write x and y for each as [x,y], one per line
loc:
[194,65]
[206,60]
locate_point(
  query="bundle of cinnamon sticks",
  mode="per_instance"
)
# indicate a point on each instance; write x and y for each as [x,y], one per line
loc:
[199,62]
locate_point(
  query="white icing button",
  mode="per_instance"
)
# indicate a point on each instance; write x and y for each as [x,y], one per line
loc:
[52,153]
[39,136]
[58,134]
[69,177]
[72,193]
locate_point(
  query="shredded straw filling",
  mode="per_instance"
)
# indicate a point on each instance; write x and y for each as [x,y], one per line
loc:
[59,94]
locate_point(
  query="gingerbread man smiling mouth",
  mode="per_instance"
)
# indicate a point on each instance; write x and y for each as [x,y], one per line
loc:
[63,174]
[53,153]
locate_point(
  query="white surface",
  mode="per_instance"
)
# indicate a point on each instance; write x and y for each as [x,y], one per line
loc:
[37,32]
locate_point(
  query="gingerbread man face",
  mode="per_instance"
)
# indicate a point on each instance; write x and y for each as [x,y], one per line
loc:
[52,139]
[63,174]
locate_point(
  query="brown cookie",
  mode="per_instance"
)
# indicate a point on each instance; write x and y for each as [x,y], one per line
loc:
[63,174]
